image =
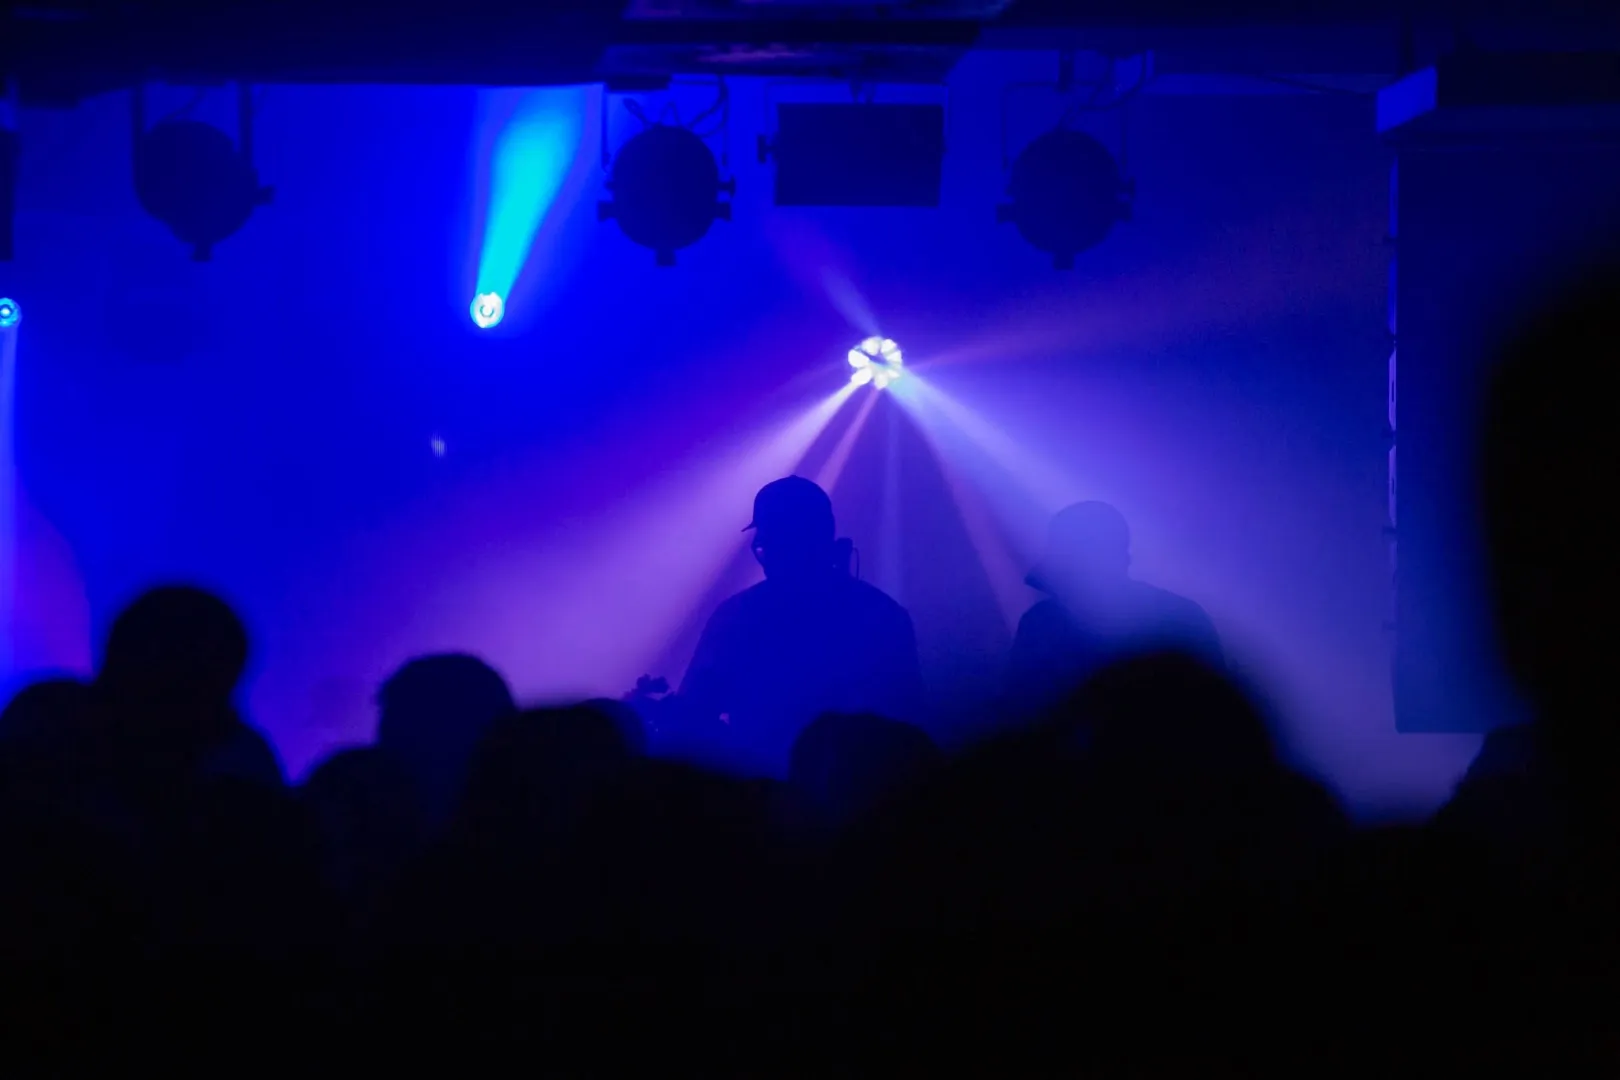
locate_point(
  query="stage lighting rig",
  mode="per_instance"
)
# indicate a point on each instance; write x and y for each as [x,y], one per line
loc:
[10,313]
[666,182]
[877,361]
[1067,194]
[194,178]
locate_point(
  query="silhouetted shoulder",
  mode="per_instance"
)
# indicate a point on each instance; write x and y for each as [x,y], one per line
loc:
[1169,604]
[734,616]
[740,605]
[879,602]
[1046,613]
[247,755]
[1179,620]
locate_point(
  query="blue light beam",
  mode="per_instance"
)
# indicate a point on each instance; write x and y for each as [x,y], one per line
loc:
[533,154]
[10,316]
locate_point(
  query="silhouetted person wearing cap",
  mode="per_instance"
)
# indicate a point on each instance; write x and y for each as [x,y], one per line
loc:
[809,639]
[1094,611]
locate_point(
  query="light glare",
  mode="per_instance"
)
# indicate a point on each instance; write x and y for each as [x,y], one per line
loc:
[876,360]
[487,309]
[10,314]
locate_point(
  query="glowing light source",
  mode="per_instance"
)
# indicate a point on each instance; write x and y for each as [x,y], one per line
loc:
[877,360]
[10,313]
[487,309]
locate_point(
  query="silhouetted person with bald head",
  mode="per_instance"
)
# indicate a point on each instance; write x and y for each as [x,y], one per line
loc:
[809,639]
[1094,612]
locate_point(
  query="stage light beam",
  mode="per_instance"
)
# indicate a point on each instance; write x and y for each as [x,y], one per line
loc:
[833,468]
[528,170]
[10,316]
[1016,467]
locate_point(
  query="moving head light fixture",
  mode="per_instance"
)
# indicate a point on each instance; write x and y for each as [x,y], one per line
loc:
[1066,189]
[193,178]
[665,180]
[1067,194]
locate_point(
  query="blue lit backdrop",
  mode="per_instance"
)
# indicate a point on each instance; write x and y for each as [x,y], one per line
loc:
[313,424]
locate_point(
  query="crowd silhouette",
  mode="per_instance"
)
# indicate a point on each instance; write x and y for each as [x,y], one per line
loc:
[1128,876]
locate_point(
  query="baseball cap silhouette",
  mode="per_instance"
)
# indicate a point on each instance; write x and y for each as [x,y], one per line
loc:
[792,504]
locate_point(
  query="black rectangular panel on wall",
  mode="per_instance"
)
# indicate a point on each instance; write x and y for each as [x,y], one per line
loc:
[1482,230]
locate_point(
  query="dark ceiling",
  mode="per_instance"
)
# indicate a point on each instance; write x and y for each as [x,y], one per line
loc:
[58,51]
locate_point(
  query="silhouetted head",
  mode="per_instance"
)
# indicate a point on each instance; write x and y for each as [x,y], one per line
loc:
[1551,454]
[432,713]
[360,780]
[45,708]
[1087,544]
[794,533]
[178,645]
[368,813]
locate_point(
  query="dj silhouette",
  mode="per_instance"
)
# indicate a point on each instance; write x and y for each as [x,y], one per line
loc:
[809,639]
[1094,611]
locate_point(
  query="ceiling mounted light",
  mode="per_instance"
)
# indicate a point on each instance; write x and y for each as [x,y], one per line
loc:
[877,361]
[666,190]
[194,179]
[1067,194]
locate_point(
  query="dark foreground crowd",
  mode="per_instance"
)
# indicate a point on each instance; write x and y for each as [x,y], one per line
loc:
[1132,881]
